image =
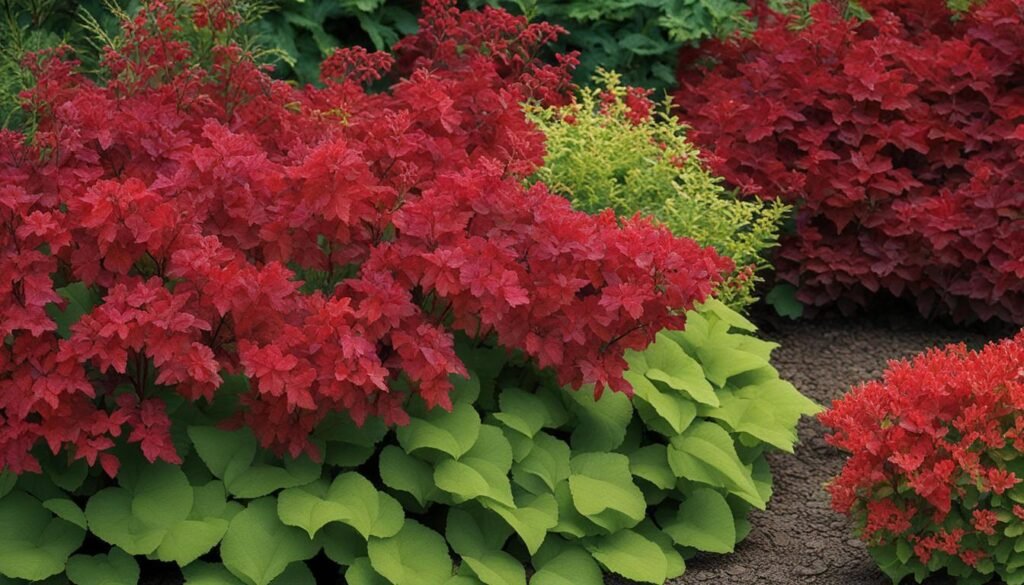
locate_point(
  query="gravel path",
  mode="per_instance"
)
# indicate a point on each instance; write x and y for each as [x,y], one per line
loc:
[799,539]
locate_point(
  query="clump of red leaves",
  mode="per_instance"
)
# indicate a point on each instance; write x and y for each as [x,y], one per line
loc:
[937,459]
[192,199]
[901,139]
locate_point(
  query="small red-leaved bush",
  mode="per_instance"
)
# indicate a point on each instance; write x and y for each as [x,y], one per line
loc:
[936,462]
[181,203]
[901,138]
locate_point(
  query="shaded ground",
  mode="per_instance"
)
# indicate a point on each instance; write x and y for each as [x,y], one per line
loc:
[799,539]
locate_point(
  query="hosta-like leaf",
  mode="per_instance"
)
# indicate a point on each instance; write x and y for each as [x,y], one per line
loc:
[665,411]
[704,522]
[721,362]
[651,463]
[603,490]
[668,363]
[482,471]
[522,411]
[453,433]
[631,555]
[600,424]
[546,466]
[674,561]
[34,545]
[258,547]
[478,540]
[769,411]
[531,518]
[415,556]
[115,568]
[403,472]
[572,566]
[705,453]
[232,457]
[350,499]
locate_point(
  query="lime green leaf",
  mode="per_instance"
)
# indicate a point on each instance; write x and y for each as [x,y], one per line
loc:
[403,472]
[350,499]
[630,555]
[734,319]
[65,509]
[415,556]
[668,363]
[651,463]
[601,424]
[200,573]
[479,541]
[258,547]
[139,516]
[571,566]
[705,453]
[603,490]
[675,564]
[188,540]
[668,413]
[721,362]
[522,411]
[546,466]
[231,457]
[531,518]
[362,573]
[34,544]
[704,522]
[769,411]
[116,568]
[452,433]
[570,521]
[482,471]
[342,543]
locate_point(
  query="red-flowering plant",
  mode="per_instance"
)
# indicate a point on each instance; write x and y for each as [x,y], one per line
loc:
[900,138]
[934,478]
[186,218]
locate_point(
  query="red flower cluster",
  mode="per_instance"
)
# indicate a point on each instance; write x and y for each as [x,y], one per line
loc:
[193,198]
[936,452]
[901,139]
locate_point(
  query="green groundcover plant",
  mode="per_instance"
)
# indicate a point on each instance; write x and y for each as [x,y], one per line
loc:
[520,471]
[613,148]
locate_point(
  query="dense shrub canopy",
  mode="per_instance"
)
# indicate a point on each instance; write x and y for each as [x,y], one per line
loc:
[935,469]
[900,138]
[614,148]
[187,217]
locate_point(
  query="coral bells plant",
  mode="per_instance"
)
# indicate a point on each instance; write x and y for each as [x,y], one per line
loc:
[186,221]
[935,478]
[901,138]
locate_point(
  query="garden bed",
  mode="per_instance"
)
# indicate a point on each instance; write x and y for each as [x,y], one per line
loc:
[799,539]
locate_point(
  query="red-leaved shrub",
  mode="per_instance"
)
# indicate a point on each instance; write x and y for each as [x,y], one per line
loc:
[936,462]
[189,197]
[901,138]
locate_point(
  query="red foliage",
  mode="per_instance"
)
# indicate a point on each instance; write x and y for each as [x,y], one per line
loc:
[933,447]
[901,139]
[195,199]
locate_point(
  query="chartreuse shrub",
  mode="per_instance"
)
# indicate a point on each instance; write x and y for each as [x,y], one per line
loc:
[613,148]
[906,168]
[933,481]
[519,471]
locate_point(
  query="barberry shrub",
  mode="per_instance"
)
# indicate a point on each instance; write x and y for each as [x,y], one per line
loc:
[900,139]
[933,481]
[614,148]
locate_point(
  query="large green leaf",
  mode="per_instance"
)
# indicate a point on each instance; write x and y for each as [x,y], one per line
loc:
[403,472]
[482,471]
[603,491]
[34,545]
[571,566]
[666,412]
[704,522]
[342,543]
[258,547]
[546,466]
[600,424]
[522,411]
[769,411]
[531,518]
[232,457]
[479,540]
[651,463]
[349,445]
[415,556]
[668,363]
[453,433]
[631,555]
[350,499]
[115,568]
[705,453]
[140,515]
[361,573]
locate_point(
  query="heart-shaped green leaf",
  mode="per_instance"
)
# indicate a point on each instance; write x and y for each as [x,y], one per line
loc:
[115,568]
[34,545]
[453,433]
[704,522]
[705,453]
[415,556]
[350,499]
[258,547]
[603,490]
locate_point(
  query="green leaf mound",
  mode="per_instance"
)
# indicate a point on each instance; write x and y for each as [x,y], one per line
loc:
[602,153]
[521,473]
